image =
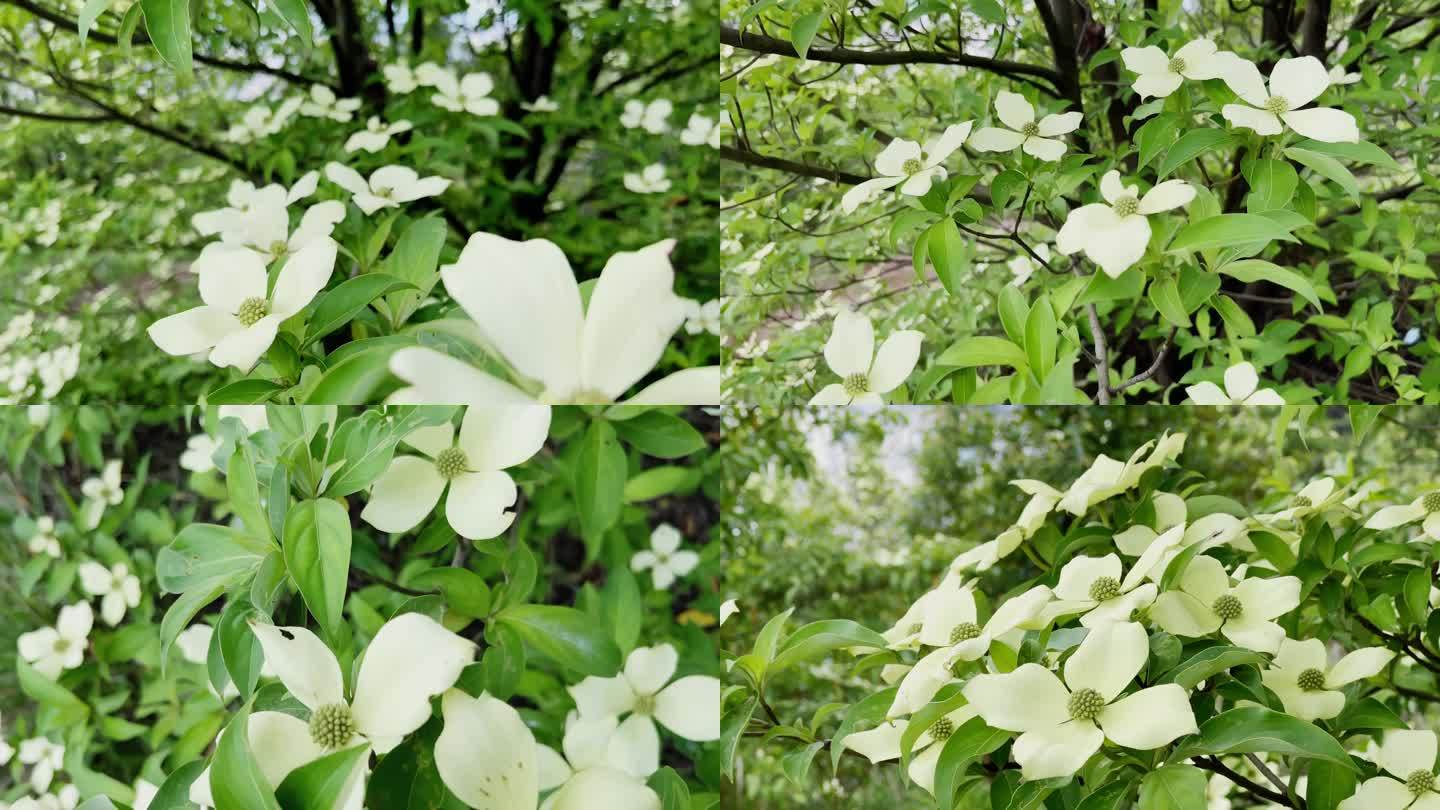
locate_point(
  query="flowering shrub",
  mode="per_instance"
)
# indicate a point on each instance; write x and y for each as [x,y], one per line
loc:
[1067,202]
[281,609]
[1131,638]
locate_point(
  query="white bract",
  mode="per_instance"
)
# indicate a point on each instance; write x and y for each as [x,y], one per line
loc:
[6,752]
[689,707]
[44,540]
[1339,76]
[266,231]
[702,317]
[1161,75]
[101,492]
[388,186]
[904,163]
[255,210]
[1022,266]
[665,560]
[1244,613]
[199,453]
[1313,497]
[700,131]
[1063,723]
[1408,757]
[1425,508]
[51,650]
[864,373]
[1242,387]
[45,758]
[542,104]
[882,743]
[239,319]
[323,104]
[470,94]
[118,588]
[1305,681]
[526,303]
[1114,234]
[652,117]
[492,439]
[1293,84]
[376,135]
[650,180]
[400,78]
[1037,138]
[1093,586]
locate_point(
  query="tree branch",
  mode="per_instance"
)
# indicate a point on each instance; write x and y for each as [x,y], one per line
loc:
[1214,765]
[43,116]
[749,158]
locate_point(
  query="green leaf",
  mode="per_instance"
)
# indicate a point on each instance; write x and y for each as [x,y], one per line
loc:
[949,253]
[239,648]
[1260,270]
[235,778]
[174,794]
[126,32]
[1327,167]
[818,638]
[89,14]
[983,351]
[1174,787]
[1272,184]
[503,663]
[1367,714]
[1236,321]
[406,778]
[802,33]
[570,638]
[1041,337]
[657,481]
[1226,230]
[297,15]
[415,259]
[1165,295]
[659,434]
[674,793]
[600,473]
[1156,135]
[318,785]
[1328,784]
[244,392]
[181,611]
[168,23]
[974,739]
[1110,796]
[1210,662]
[244,491]
[203,553]
[354,380]
[1253,729]
[796,764]
[465,591]
[339,306]
[63,706]
[1014,311]
[317,553]
[1191,145]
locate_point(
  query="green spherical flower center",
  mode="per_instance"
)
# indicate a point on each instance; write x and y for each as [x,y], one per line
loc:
[451,462]
[1126,206]
[62,645]
[1431,502]
[1030,129]
[1104,588]
[964,631]
[912,166]
[1302,501]
[332,726]
[1311,680]
[856,384]
[1085,704]
[1276,105]
[943,728]
[252,310]
[1177,65]
[278,248]
[644,704]
[1228,607]
[1420,782]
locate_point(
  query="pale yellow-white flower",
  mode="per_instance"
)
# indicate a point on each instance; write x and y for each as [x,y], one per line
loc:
[1160,75]
[1242,387]
[1205,601]
[1407,759]
[1293,84]
[904,163]
[1037,138]
[865,375]
[1309,685]
[1114,234]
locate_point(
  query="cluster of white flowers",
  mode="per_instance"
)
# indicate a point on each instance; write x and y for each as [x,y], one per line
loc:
[323,103]
[650,180]
[27,372]
[260,121]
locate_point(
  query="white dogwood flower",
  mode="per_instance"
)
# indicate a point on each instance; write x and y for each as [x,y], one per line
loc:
[652,117]
[1063,723]
[650,180]
[400,78]
[267,232]
[45,759]
[388,186]
[702,317]
[1242,387]
[376,135]
[118,588]
[492,439]
[1215,529]
[470,94]
[1409,759]
[280,743]
[101,492]
[323,104]
[542,104]
[1425,508]
[239,319]
[1293,84]
[1114,234]
[254,418]
[199,453]
[1022,266]
[429,74]
[1037,138]
[44,540]
[1338,76]
[1093,586]
[665,560]
[882,743]
[1161,75]
[525,301]
[250,209]
[1204,601]
[1305,681]
[587,744]
[1313,497]
[700,130]
[904,163]
[51,650]
[864,373]
[6,752]
[689,707]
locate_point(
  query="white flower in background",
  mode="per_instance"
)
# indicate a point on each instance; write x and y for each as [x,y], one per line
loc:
[1305,681]
[45,759]
[118,588]
[1161,75]
[652,117]
[199,454]
[525,301]
[1022,266]
[651,180]
[1424,508]
[101,492]
[323,104]
[253,417]
[588,745]
[1293,84]
[689,707]
[1409,757]
[44,540]
[194,643]
[1204,601]
[665,559]
[239,318]
[492,439]
[260,121]
[728,608]
[245,204]
[6,752]
[904,163]
[470,94]
[1063,724]
[866,374]
[429,74]
[411,660]
[702,317]
[700,131]
[400,79]
[267,233]
[376,135]
[1115,235]
[1035,138]
[543,104]
[1093,586]
[1338,75]
[50,650]
[39,415]
[882,743]
[1313,497]
[145,793]
[388,186]
[1241,388]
